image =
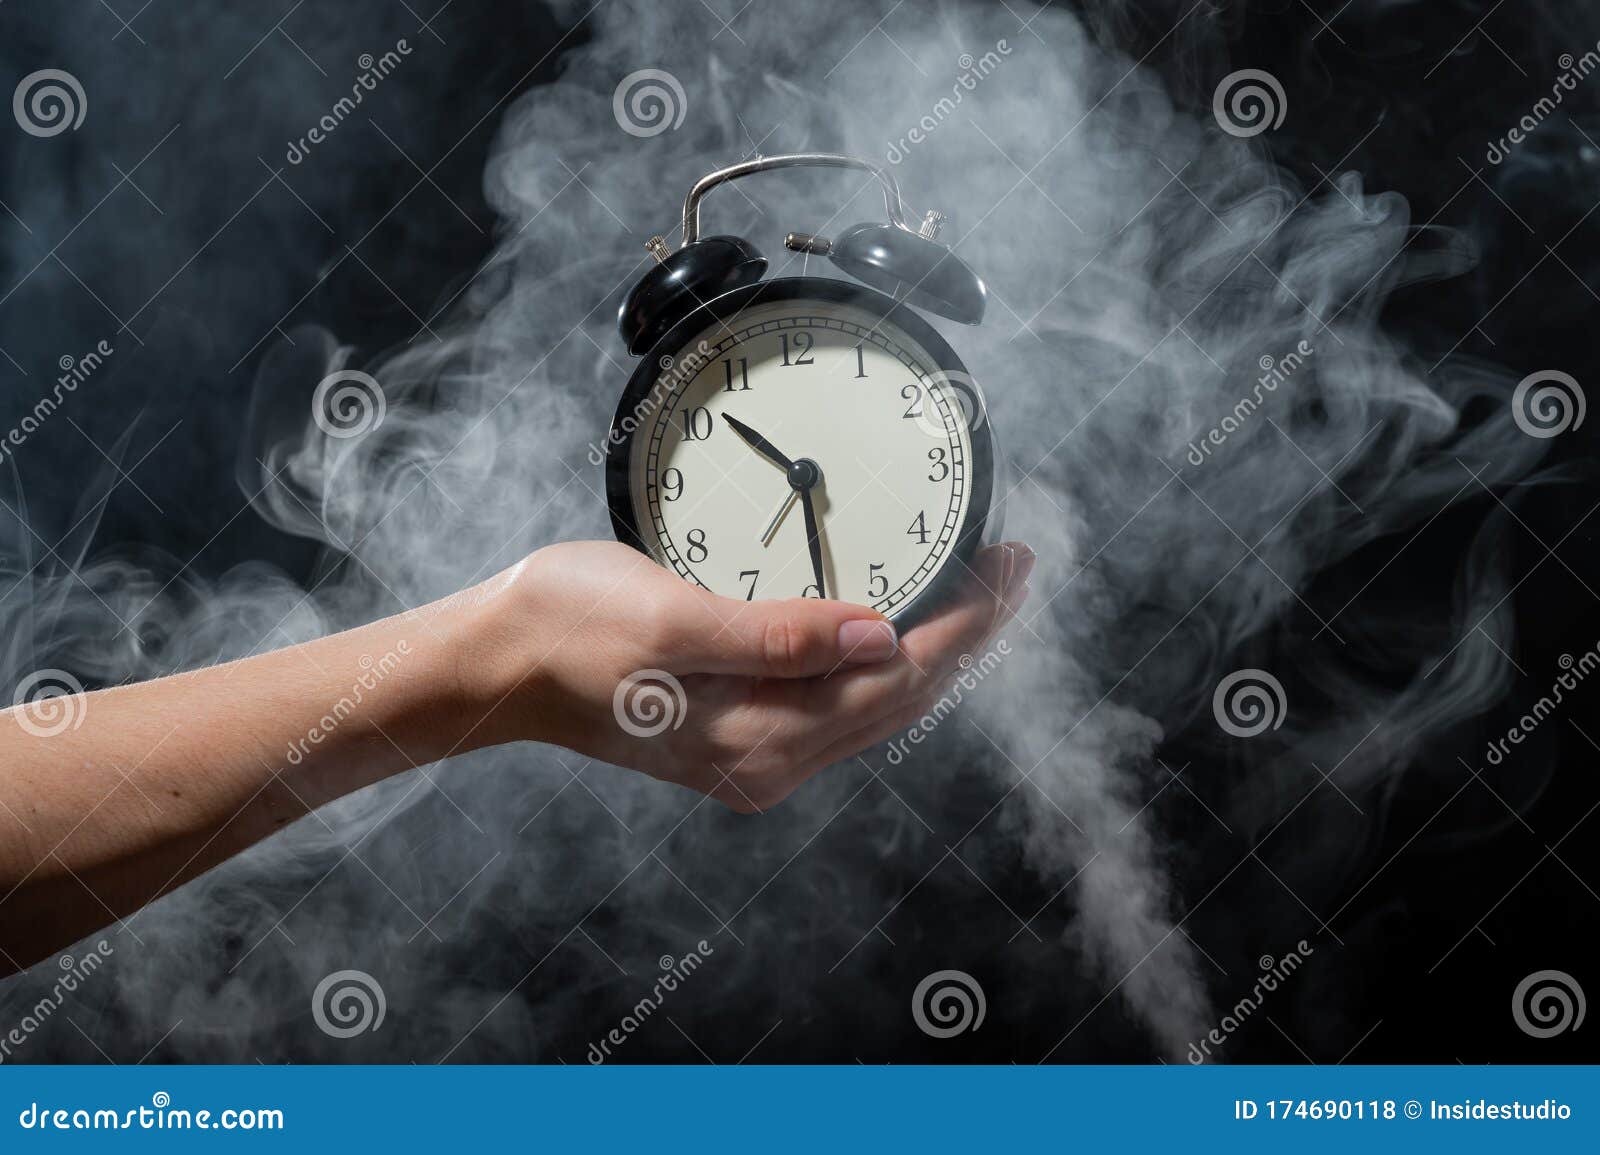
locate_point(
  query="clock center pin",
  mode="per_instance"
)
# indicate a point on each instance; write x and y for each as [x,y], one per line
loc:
[804,474]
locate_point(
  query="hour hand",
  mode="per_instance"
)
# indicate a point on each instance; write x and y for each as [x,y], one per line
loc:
[757,442]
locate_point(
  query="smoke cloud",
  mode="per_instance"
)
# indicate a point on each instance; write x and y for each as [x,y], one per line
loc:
[1200,414]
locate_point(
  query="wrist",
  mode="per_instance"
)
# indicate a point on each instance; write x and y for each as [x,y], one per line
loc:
[500,690]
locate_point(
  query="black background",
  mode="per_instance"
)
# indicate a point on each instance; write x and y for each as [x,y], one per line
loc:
[1466,890]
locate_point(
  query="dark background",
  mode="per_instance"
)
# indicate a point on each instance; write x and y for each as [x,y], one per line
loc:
[1469,884]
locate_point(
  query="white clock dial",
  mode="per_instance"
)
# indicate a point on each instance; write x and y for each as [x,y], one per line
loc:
[814,381]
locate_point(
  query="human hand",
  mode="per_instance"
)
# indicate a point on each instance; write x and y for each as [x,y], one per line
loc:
[592,646]
[589,645]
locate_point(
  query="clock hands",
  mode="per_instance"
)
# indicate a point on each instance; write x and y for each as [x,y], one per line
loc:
[813,539]
[772,526]
[803,476]
[759,443]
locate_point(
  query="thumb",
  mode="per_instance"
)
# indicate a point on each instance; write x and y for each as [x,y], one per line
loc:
[794,638]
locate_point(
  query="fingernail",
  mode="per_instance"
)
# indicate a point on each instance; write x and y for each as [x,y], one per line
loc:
[1024,566]
[1008,566]
[867,640]
[1006,559]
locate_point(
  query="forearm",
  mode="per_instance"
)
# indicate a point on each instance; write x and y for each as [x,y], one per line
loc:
[585,644]
[157,782]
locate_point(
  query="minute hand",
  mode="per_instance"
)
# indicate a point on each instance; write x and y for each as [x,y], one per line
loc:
[757,442]
[813,540]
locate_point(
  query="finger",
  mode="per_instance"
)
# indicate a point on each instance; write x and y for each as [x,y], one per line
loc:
[933,647]
[793,638]
[880,729]
[856,698]
[902,716]
[992,600]
[724,786]
[868,736]
[804,718]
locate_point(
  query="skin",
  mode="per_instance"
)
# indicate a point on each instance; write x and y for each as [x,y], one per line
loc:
[162,780]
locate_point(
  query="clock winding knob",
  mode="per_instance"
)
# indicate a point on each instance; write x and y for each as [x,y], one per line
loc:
[932,224]
[659,249]
[808,243]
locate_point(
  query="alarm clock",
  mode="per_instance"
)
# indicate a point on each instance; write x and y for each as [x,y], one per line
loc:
[805,436]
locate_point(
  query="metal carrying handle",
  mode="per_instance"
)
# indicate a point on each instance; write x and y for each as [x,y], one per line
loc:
[893,206]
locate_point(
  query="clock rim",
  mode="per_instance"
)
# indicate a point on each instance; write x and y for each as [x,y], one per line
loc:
[619,440]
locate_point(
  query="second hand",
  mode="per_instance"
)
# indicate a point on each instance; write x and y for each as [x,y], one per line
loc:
[772,526]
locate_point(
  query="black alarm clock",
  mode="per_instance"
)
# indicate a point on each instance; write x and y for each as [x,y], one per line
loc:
[804,436]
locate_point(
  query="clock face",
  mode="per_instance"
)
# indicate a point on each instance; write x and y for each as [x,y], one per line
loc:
[823,400]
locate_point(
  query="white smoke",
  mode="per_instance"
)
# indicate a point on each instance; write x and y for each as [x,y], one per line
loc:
[1142,263]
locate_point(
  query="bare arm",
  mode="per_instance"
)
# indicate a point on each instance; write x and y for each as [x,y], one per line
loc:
[152,784]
